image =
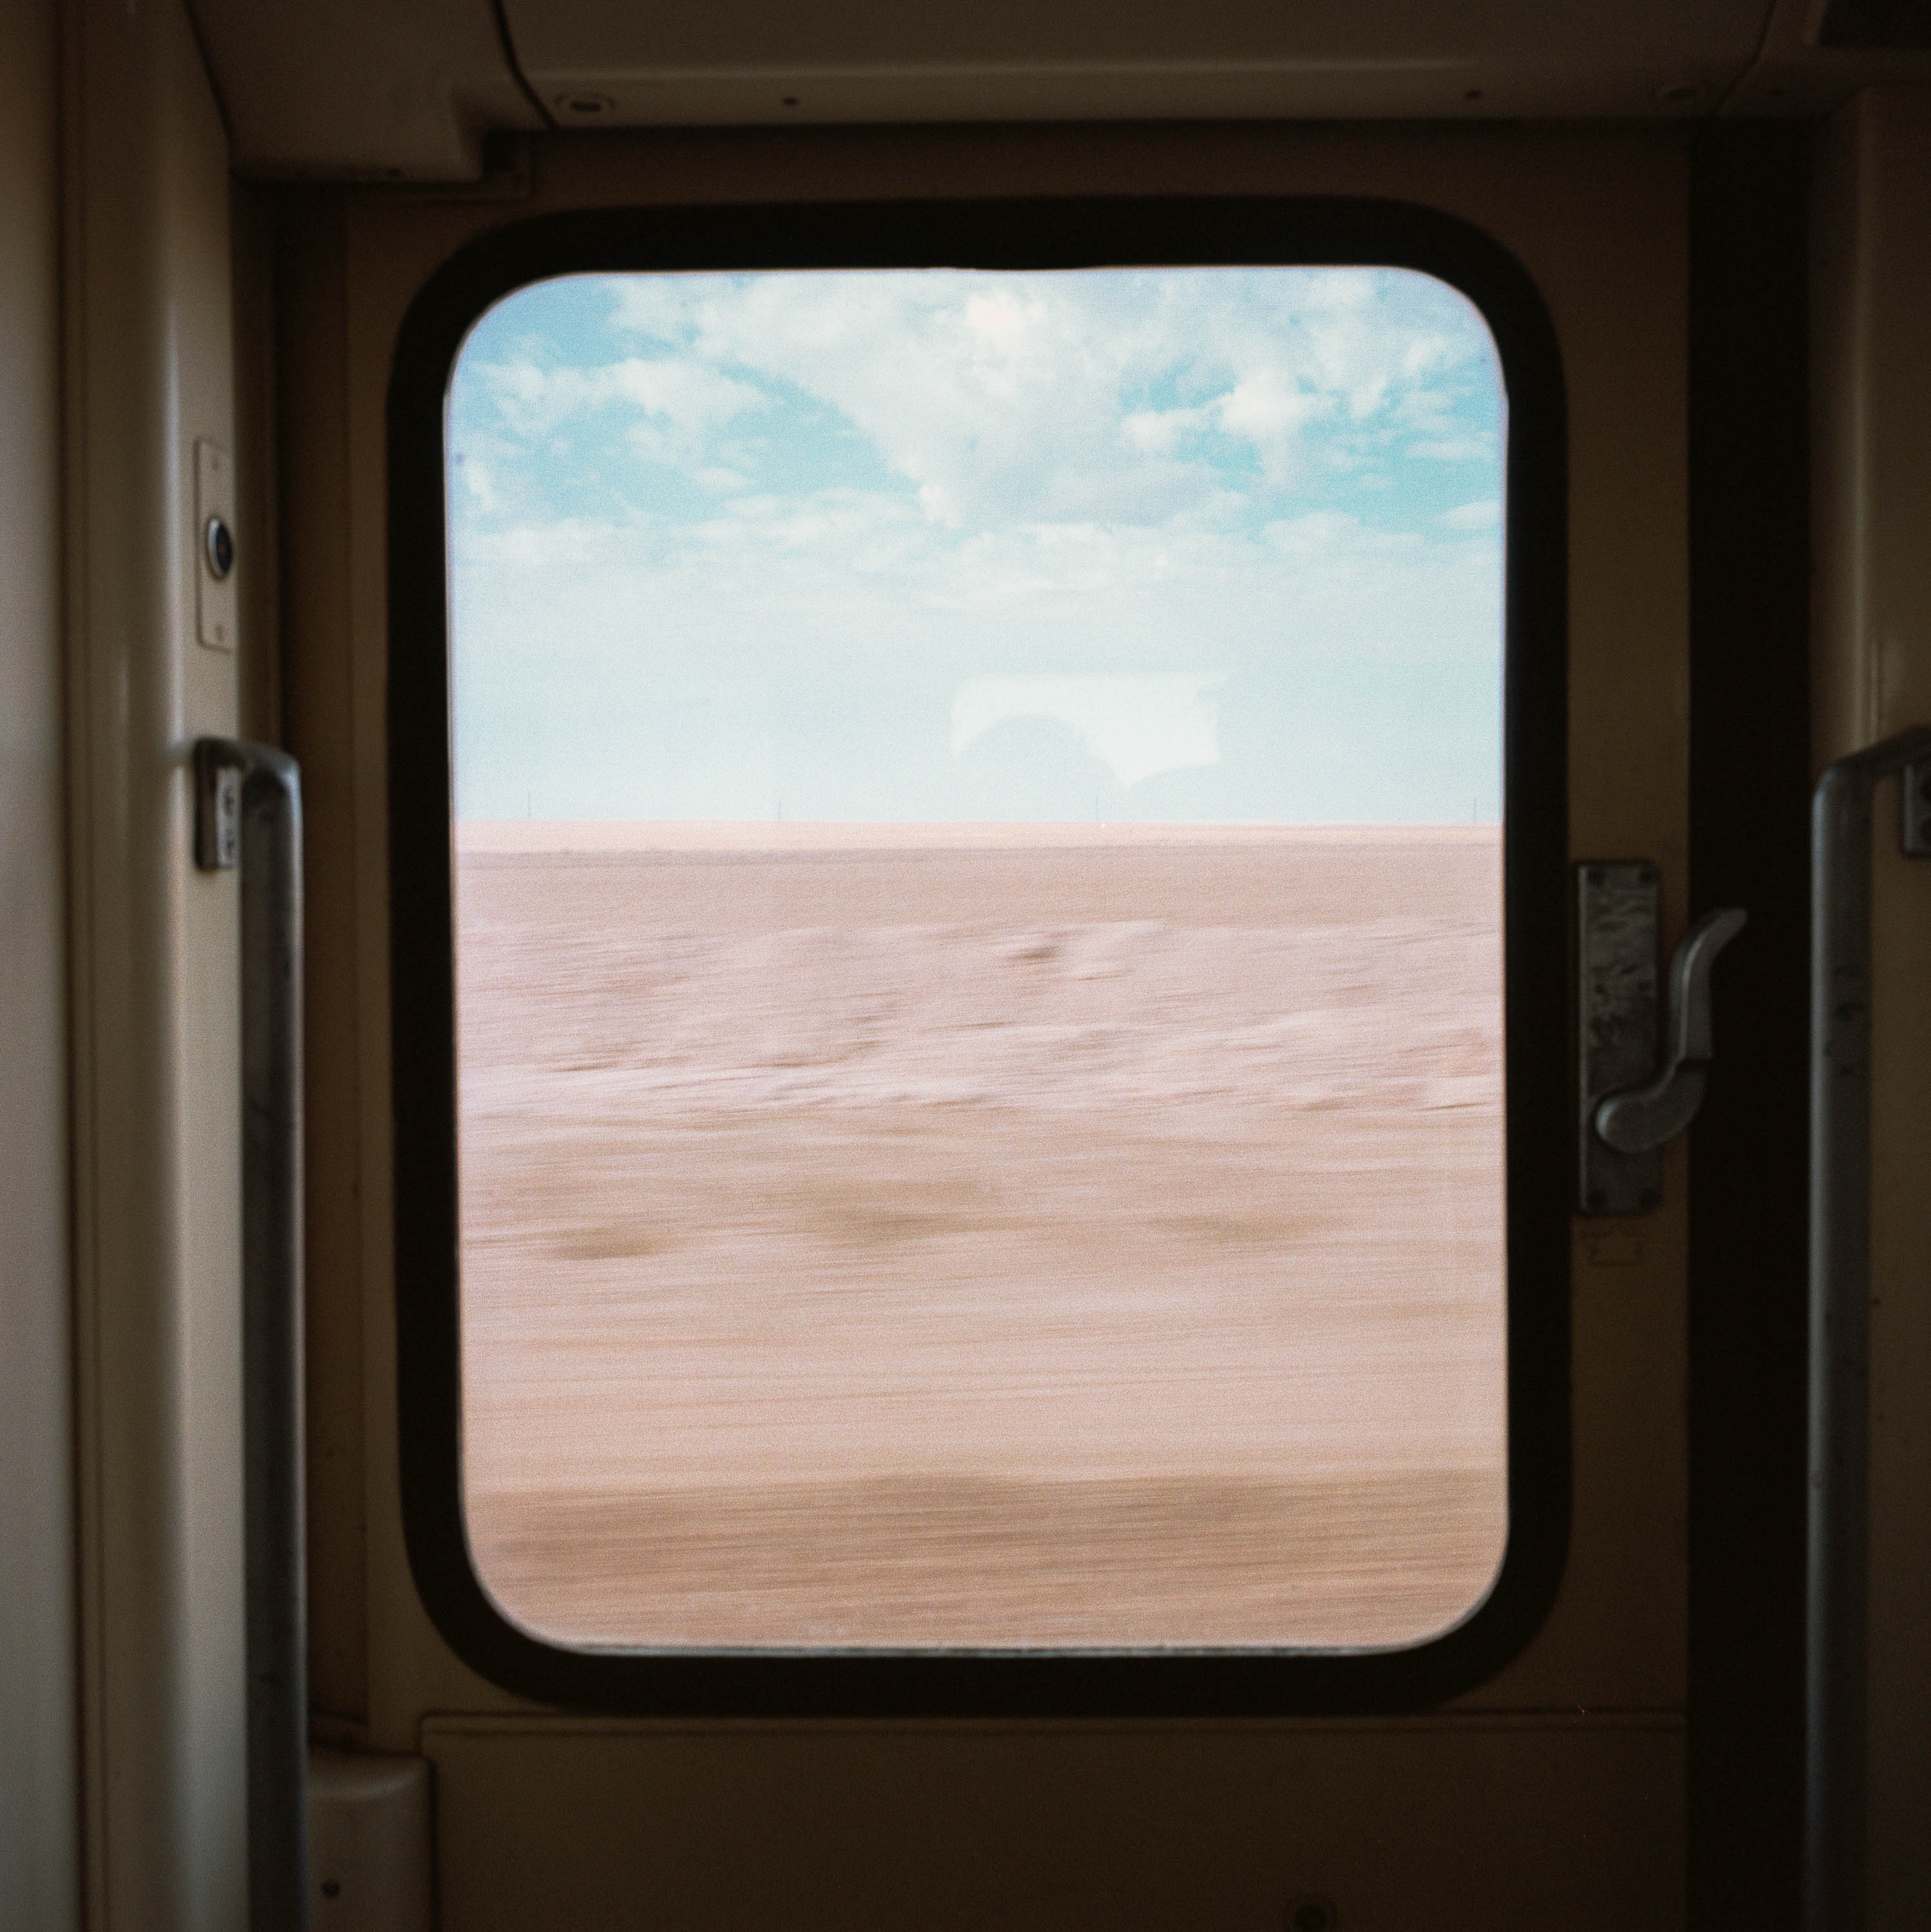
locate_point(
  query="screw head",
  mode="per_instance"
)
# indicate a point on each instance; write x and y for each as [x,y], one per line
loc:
[218,546]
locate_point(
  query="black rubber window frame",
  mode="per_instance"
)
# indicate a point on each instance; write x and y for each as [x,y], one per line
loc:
[1018,234]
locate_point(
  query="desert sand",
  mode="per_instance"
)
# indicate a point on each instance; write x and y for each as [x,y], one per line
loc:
[982,1236]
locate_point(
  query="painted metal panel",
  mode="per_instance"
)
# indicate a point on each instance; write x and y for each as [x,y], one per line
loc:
[606,63]
[372,91]
[39,1840]
[1598,220]
[1872,285]
[1474,1824]
[155,988]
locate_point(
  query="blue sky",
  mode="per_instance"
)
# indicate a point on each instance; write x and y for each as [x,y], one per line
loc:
[1201,545]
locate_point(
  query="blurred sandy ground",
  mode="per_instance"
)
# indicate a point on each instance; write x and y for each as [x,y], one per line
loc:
[880,1236]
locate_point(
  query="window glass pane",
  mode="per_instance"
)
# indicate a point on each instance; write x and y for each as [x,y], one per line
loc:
[980,986]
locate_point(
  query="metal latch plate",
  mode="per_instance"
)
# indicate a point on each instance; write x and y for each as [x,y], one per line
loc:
[1617,906]
[215,614]
[217,809]
[1914,783]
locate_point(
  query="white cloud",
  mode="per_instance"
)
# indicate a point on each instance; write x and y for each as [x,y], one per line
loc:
[1139,725]
[538,546]
[1158,432]
[1268,410]
[1007,398]
[686,395]
[1337,540]
[1453,449]
[1482,516]
[481,484]
[864,576]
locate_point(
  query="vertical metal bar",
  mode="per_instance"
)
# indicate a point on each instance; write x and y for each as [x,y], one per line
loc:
[1839,1345]
[1836,1773]
[270,855]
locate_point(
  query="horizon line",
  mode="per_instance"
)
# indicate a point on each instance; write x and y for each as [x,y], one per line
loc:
[509,836]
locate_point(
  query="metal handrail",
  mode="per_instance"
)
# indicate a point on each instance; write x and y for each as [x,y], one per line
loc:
[1836,1774]
[249,813]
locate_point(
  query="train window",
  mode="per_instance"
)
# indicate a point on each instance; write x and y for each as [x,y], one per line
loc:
[978,1011]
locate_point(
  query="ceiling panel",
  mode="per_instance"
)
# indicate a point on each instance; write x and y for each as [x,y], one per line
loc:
[751,60]
[405,89]
[1795,77]
[378,89]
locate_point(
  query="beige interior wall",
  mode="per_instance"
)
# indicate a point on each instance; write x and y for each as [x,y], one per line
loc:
[251,224]
[1873,391]
[39,1840]
[1599,219]
[318,680]
[154,986]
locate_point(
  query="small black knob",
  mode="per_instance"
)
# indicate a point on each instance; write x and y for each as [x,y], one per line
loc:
[219,543]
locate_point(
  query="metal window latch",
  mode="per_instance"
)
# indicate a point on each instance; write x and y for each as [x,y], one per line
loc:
[248,820]
[218,771]
[1631,1097]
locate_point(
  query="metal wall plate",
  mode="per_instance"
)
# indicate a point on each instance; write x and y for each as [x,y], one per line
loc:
[1914,795]
[214,607]
[1617,1009]
[217,808]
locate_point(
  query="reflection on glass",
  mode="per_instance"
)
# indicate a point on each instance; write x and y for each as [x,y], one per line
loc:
[979,901]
